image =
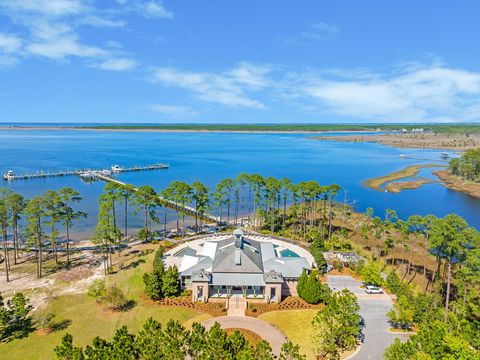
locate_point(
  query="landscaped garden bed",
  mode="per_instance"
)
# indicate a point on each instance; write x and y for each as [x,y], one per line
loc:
[213,308]
[290,303]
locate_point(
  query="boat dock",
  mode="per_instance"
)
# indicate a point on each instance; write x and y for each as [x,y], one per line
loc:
[83,173]
[188,210]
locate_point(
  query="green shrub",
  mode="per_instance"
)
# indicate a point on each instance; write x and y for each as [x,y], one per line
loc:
[310,289]
[158,259]
[115,298]
[110,295]
[97,289]
[371,274]
[44,319]
[14,320]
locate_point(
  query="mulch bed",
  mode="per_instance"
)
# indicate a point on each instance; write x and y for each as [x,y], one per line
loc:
[212,308]
[290,303]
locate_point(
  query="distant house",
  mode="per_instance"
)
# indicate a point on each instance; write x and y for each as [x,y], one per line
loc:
[345,257]
[256,267]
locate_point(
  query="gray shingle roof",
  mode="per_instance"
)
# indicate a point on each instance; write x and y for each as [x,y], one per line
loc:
[290,267]
[273,277]
[250,257]
[201,276]
[203,263]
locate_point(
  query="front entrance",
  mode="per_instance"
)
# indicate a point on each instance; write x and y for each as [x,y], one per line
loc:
[273,293]
[237,290]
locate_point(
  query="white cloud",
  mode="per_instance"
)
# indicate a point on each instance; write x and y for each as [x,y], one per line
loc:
[99,21]
[9,43]
[146,8]
[428,93]
[52,30]
[63,47]
[173,111]
[316,32]
[152,9]
[49,8]
[228,88]
[119,64]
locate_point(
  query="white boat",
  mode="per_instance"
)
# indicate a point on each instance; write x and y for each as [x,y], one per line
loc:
[87,175]
[9,175]
[116,168]
[402,156]
[105,172]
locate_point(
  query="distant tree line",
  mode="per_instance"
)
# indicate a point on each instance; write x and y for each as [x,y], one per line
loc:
[437,128]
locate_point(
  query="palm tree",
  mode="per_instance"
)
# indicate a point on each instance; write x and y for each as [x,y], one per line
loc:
[68,197]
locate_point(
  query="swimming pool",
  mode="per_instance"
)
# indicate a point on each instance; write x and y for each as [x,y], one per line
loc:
[288,253]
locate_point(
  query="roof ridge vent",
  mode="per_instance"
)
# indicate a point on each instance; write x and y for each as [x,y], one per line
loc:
[238,257]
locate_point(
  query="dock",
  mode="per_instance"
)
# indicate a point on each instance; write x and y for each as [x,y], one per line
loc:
[83,173]
[188,210]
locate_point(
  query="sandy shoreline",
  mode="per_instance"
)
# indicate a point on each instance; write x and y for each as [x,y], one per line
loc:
[417,141]
[388,182]
[457,184]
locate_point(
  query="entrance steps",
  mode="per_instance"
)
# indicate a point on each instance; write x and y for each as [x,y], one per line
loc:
[236,305]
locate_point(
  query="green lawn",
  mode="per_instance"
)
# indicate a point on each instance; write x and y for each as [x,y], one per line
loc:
[88,319]
[296,324]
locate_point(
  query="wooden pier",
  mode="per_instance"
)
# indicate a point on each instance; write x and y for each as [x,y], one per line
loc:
[84,173]
[188,210]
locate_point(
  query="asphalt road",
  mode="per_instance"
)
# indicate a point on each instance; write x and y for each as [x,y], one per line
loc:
[373,310]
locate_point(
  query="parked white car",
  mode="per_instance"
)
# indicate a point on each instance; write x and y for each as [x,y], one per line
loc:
[372,289]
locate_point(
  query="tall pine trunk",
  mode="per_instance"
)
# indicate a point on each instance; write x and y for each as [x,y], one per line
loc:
[447,297]
[15,241]
[39,250]
[5,254]
[126,219]
[67,228]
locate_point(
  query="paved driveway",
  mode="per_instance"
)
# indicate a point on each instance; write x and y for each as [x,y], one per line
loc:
[373,309]
[266,331]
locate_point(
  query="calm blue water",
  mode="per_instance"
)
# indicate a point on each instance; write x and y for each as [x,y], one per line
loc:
[288,253]
[209,157]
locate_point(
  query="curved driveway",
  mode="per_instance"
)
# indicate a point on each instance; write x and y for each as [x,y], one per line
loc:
[373,310]
[266,331]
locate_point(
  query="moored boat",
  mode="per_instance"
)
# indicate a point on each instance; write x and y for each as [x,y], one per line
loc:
[9,175]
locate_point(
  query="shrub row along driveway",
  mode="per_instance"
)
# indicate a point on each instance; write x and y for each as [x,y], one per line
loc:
[373,310]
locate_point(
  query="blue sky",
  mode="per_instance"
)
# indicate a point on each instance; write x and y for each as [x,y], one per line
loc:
[239,61]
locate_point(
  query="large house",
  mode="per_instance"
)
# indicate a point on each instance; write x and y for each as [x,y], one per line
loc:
[257,267]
